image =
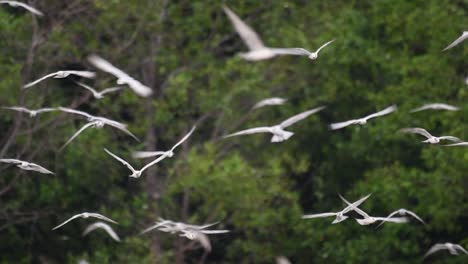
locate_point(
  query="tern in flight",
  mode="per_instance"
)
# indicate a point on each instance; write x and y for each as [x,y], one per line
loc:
[86,215]
[99,95]
[340,217]
[32,113]
[279,134]
[27,165]
[192,232]
[452,248]
[165,154]
[367,220]
[403,212]
[102,225]
[61,75]
[122,77]
[459,40]
[23,5]
[269,101]
[435,106]
[135,173]
[258,50]
[430,138]
[94,122]
[363,121]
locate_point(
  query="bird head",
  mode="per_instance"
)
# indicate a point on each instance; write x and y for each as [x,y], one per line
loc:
[33,113]
[136,174]
[121,81]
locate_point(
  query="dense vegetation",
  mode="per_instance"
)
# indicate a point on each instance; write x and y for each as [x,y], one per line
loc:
[386,52]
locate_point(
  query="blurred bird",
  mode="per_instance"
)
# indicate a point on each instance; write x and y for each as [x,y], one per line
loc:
[340,217]
[452,248]
[96,94]
[135,173]
[282,260]
[367,220]
[279,134]
[86,215]
[461,144]
[23,5]
[168,154]
[32,113]
[192,232]
[459,40]
[258,51]
[61,75]
[122,77]
[104,226]
[430,138]
[269,101]
[403,212]
[363,121]
[27,165]
[435,106]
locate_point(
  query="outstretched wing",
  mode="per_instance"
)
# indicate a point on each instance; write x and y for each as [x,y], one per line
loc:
[39,168]
[434,249]
[104,226]
[248,35]
[388,217]
[17,108]
[318,215]
[294,119]
[153,162]
[120,159]
[87,87]
[386,111]
[70,219]
[340,125]
[461,144]
[184,138]
[73,111]
[415,216]
[461,249]
[291,51]
[457,41]
[77,133]
[12,161]
[269,101]
[23,5]
[85,74]
[250,131]
[122,128]
[147,154]
[324,45]
[356,204]
[416,130]
[102,217]
[111,89]
[39,80]
[450,138]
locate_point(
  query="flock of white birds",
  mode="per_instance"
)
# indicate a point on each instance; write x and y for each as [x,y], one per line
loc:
[257,51]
